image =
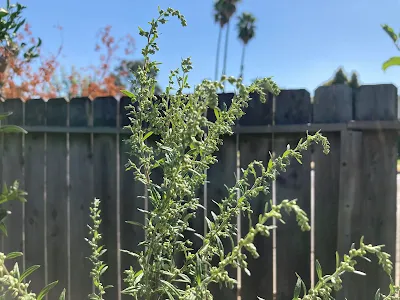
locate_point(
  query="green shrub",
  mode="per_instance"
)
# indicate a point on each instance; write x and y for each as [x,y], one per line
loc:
[171,136]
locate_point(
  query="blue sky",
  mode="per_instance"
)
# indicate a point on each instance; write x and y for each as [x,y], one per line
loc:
[300,43]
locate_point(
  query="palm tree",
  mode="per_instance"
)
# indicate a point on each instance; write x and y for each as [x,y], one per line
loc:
[219,18]
[246,27]
[226,9]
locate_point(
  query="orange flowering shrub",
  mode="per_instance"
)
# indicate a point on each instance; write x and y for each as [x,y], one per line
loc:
[97,81]
[45,78]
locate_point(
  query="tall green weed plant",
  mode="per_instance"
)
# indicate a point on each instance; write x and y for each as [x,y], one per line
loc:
[171,138]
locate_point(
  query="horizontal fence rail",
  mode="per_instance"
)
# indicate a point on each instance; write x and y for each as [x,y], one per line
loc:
[75,151]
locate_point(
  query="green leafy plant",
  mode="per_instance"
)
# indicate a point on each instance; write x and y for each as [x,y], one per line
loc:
[395,60]
[99,267]
[328,283]
[11,22]
[171,137]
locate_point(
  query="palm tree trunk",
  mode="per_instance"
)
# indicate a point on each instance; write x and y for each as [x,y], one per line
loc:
[218,53]
[226,50]
[242,61]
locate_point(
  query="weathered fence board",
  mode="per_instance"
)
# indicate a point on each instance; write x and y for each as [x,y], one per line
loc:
[220,176]
[57,198]
[12,170]
[105,186]
[293,247]
[349,195]
[332,104]
[81,193]
[35,208]
[257,147]
[374,212]
[376,216]
[131,199]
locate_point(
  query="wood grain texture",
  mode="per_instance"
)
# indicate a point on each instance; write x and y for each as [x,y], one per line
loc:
[332,104]
[327,170]
[131,193]
[350,193]
[57,198]
[81,191]
[105,188]
[376,102]
[374,213]
[293,246]
[35,213]
[12,170]
[220,174]
[257,147]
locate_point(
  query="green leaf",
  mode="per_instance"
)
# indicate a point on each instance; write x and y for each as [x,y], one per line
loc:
[297,288]
[319,269]
[5,115]
[134,223]
[3,12]
[337,259]
[389,30]
[165,148]
[359,273]
[103,269]
[270,164]
[393,61]
[170,287]
[12,129]
[378,294]
[286,153]
[217,113]
[46,289]
[62,296]
[130,253]
[147,135]
[3,214]
[28,272]
[3,228]
[128,93]
[184,277]
[14,255]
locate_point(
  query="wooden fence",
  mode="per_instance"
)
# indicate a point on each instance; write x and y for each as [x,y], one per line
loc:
[74,152]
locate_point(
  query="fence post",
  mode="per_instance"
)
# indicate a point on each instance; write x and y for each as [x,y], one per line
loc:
[57,197]
[105,187]
[12,169]
[81,195]
[218,175]
[35,115]
[131,198]
[332,104]
[293,247]
[373,213]
[257,147]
